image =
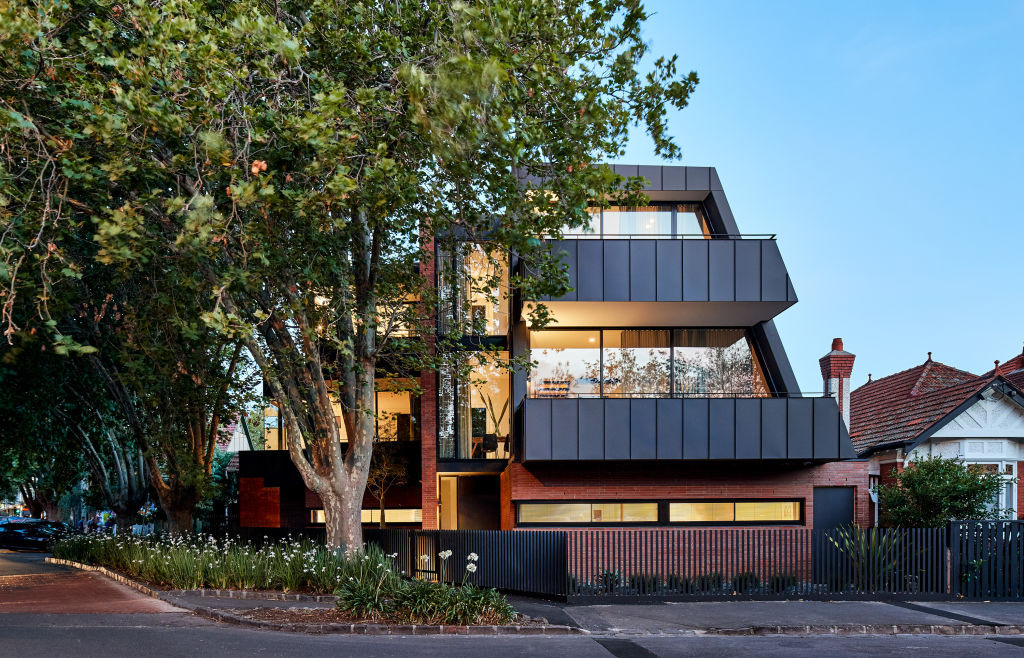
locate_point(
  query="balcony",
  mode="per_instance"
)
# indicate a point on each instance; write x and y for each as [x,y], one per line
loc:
[725,281]
[738,428]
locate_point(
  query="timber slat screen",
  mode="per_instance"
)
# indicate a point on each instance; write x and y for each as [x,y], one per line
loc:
[987,559]
[770,563]
[528,562]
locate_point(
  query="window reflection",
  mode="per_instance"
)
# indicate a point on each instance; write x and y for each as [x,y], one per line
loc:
[474,288]
[644,363]
[474,413]
[568,364]
[636,363]
[716,362]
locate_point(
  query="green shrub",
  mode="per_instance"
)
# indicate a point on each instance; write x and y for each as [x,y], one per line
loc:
[709,582]
[608,581]
[677,583]
[642,583]
[378,596]
[745,582]
[192,562]
[780,582]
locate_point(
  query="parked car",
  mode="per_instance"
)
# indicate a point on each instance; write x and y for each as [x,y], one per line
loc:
[37,534]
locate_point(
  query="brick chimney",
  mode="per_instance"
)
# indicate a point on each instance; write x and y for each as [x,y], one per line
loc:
[836,367]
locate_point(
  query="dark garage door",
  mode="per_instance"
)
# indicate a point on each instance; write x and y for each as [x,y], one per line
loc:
[833,507]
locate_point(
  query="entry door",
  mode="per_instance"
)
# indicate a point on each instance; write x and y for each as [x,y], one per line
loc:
[448,503]
[833,507]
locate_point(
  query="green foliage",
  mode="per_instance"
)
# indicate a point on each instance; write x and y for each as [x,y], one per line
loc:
[189,562]
[278,175]
[781,581]
[745,582]
[934,491]
[707,583]
[418,601]
[869,556]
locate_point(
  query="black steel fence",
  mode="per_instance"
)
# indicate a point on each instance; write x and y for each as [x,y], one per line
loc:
[987,559]
[758,563]
[969,559]
[527,562]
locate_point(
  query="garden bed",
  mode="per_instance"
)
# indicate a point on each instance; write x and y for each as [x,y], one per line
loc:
[367,585]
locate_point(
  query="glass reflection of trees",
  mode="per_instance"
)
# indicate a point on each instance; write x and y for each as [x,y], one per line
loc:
[474,410]
[645,363]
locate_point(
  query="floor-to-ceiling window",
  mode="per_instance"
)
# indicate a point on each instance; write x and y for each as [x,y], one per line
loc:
[474,408]
[474,291]
[644,363]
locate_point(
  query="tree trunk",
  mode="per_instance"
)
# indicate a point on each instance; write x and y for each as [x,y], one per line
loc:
[179,504]
[343,519]
[179,520]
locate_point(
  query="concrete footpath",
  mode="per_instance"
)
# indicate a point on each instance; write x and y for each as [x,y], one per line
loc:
[730,617]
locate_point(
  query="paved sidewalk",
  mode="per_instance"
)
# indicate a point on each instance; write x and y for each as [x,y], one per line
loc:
[28,584]
[687,617]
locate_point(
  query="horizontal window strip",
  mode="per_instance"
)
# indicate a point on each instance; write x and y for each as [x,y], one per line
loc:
[391,515]
[692,512]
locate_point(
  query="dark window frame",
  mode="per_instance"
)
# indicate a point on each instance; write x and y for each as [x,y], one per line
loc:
[663,513]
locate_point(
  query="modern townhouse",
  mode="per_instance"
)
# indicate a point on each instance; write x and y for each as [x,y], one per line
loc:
[661,394]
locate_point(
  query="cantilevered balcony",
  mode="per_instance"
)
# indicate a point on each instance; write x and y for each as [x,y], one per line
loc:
[739,428]
[717,281]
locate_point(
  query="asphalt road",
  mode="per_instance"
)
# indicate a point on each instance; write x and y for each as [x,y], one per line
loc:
[52,611]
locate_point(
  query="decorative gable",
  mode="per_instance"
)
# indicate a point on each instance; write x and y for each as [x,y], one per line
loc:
[995,416]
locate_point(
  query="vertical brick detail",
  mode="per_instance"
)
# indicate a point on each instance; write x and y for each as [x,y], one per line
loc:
[505,494]
[428,424]
[262,508]
[662,481]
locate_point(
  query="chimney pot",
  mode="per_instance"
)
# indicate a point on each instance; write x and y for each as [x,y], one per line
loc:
[837,344]
[929,358]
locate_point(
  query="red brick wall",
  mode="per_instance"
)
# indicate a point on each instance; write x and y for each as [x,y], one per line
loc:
[1020,491]
[582,481]
[262,508]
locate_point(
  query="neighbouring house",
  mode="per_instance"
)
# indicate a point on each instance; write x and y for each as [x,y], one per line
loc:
[661,396]
[935,409]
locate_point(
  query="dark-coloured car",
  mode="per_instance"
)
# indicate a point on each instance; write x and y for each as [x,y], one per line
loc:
[37,535]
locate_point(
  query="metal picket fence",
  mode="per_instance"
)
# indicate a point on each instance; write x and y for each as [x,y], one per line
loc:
[968,559]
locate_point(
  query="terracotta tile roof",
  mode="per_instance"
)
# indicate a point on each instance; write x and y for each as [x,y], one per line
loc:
[899,407]
[1012,370]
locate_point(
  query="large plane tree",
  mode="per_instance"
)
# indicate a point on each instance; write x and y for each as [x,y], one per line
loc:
[307,158]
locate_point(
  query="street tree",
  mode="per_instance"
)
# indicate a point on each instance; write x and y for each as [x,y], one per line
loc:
[309,159]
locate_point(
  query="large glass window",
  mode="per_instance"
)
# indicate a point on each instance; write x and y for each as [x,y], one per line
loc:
[474,288]
[568,364]
[397,410]
[649,220]
[474,412]
[683,220]
[636,362]
[756,511]
[587,513]
[715,363]
[644,363]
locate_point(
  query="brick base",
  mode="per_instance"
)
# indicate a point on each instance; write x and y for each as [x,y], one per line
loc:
[663,481]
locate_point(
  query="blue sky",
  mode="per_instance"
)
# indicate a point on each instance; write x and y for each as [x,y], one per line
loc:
[884,144]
